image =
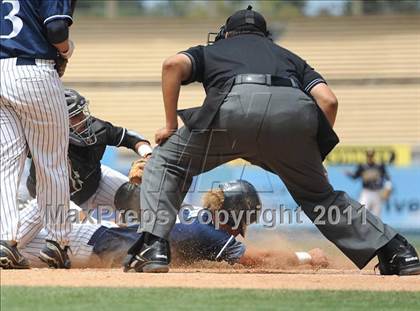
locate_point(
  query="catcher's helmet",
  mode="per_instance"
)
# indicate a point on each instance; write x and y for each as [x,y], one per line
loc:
[81,131]
[240,195]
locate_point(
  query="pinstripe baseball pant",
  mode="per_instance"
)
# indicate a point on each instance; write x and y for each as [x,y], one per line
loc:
[33,114]
[110,182]
[81,252]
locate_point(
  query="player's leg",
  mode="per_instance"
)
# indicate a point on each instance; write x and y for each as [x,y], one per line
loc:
[111,244]
[30,223]
[373,202]
[81,255]
[364,198]
[377,209]
[23,193]
[31,236]
[111,181]
[169,172]
[12,155]
[45,119]
[33,241]
[12,159]
[45,123]
[166,180]
[297,160]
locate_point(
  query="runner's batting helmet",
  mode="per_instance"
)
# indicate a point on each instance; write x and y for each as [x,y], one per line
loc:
[239,198]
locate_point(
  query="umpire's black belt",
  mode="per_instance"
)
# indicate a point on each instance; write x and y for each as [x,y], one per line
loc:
[265,80]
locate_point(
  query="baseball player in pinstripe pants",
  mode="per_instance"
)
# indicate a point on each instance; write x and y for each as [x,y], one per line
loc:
[33,116]
[92,185]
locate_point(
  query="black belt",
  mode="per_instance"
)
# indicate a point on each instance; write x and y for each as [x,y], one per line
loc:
[21,61]
[265,80]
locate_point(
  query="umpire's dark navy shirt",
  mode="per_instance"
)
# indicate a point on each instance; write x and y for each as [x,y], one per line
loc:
[214,64]
[22,27]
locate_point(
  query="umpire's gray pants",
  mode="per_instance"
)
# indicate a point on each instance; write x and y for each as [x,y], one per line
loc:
[274,127]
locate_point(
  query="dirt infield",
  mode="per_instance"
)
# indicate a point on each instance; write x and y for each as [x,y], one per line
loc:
[210,278]
[275,268]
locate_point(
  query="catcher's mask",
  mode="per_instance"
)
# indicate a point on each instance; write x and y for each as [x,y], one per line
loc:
[246,20]
[81,130]
[234,197]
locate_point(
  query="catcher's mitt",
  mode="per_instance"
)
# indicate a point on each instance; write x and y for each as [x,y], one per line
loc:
[60,65]
[136,171]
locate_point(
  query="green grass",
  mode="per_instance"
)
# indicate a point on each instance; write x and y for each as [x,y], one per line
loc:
[125,299]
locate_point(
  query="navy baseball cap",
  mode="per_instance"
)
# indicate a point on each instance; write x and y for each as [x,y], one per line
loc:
[248,17]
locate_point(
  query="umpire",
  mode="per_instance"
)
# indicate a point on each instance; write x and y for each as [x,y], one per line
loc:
[268,106]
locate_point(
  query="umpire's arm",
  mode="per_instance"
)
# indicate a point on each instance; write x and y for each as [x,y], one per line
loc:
[175,69]
[326,100]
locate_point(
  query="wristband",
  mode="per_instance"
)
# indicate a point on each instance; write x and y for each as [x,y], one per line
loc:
[144,150]
[303,257]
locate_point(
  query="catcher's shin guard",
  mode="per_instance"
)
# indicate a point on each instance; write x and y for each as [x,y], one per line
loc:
[149,254]
[10,257]
[55,256]
[398,257]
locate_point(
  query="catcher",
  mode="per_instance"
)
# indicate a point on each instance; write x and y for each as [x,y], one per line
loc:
[91,183]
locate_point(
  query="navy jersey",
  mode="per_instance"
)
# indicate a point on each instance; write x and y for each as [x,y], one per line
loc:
[198,241]
[22,27]
[373,176]
[191,242]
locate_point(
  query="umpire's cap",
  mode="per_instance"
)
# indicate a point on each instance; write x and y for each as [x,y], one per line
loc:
[244,18]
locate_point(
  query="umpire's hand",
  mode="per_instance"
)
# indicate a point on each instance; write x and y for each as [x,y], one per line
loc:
[163,134]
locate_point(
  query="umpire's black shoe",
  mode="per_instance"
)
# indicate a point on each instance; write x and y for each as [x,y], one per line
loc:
[398,257]
[10,258]
[55,256]
[149,254]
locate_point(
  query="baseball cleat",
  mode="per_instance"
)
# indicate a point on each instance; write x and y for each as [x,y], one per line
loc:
[151,258]
[403,261]
[10,257]
[55,256]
